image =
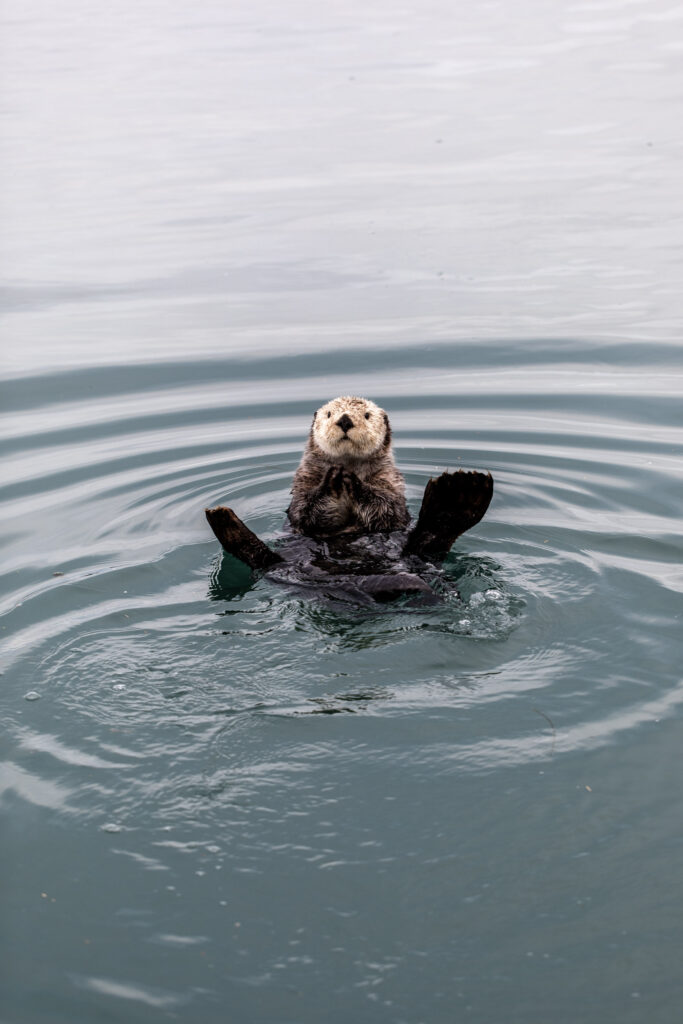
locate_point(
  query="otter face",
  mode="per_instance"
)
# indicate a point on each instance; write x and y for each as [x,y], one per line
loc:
[350,428]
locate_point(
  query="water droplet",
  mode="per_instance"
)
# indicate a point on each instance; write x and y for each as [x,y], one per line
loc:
[31,695]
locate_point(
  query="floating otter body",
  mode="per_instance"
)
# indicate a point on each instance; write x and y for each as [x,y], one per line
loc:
[348,516]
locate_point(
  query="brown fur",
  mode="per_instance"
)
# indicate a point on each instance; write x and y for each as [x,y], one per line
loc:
[347,481]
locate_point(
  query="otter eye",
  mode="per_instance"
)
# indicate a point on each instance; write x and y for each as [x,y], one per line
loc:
[328,415]
[367,415]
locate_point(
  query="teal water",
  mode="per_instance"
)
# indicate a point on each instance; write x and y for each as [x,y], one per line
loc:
[220,800]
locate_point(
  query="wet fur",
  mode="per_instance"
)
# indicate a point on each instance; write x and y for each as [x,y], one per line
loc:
[347,481]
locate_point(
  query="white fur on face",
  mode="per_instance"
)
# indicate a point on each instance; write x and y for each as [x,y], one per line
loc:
[363,439]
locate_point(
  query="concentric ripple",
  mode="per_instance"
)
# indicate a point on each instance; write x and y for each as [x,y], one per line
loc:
[119,610]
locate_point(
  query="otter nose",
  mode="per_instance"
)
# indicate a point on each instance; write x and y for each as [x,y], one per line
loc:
[345,422]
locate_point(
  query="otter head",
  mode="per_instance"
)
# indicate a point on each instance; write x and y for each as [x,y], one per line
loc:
[350,428]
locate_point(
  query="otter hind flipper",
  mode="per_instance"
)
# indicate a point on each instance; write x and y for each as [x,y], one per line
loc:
[452,503]
[238,539]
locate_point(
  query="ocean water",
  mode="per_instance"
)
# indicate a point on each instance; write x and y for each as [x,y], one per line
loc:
[225,801]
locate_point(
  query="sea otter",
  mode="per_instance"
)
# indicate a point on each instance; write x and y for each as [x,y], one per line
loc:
[349,510]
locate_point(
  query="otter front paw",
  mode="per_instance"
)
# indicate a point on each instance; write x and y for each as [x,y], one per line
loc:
[333,482]
[352,484]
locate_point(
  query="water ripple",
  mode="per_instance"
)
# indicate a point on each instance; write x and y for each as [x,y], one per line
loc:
[136,629]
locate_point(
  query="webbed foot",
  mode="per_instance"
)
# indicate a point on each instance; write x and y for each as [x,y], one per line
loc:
[238,539]
[452,503]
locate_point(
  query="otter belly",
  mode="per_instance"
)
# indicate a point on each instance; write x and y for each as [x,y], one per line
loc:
[364,569]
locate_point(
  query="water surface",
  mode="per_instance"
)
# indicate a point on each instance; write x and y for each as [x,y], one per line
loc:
[223,800]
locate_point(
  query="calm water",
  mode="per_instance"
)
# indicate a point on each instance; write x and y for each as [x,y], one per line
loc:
[223,802]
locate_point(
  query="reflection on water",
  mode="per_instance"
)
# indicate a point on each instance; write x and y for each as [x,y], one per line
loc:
[227,790]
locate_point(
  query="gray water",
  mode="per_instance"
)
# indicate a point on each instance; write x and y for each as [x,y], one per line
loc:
[224,801]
